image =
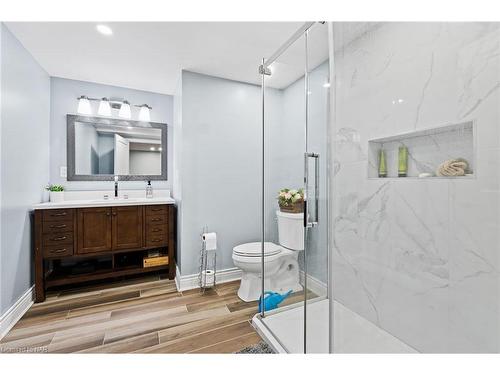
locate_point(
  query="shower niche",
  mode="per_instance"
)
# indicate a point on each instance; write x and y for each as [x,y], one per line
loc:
[427,150]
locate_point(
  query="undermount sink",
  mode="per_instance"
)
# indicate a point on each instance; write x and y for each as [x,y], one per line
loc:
[115,200]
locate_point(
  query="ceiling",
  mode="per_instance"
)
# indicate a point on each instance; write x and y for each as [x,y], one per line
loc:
[149,56]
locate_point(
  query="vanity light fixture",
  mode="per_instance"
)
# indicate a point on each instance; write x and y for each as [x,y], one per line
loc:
[84,105]
[107,104]
[125,110]
[104,107]
[144,113]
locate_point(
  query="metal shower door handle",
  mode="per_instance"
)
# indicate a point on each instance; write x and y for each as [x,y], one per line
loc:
[311,223]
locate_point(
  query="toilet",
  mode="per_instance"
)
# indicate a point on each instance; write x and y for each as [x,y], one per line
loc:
[281,267]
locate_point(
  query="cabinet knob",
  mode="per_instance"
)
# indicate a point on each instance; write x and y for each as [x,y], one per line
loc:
[108,214]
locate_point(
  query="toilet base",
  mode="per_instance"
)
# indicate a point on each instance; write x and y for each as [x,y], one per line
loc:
[251,286]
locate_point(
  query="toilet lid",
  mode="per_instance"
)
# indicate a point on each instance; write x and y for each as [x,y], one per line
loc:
[254,249]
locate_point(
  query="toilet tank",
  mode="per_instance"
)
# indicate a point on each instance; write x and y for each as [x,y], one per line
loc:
[291,230]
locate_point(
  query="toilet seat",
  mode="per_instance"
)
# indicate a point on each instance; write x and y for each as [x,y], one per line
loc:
[254,249]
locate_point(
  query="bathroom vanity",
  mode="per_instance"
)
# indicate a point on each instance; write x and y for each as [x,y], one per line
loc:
[85,240]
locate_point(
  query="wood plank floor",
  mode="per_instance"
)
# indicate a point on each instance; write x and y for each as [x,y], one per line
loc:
[146,315]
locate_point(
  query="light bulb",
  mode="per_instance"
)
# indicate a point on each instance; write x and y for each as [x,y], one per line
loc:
[84,105]
[152,148]
[144,114]
[104,30]
[104,107]
[125,110]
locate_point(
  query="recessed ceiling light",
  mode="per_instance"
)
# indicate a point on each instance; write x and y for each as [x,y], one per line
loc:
[104,30]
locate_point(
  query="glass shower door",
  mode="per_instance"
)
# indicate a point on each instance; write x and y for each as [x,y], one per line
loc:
[295,113]
[317,84]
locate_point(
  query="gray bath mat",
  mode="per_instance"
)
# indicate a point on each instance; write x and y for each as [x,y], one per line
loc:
[260,348]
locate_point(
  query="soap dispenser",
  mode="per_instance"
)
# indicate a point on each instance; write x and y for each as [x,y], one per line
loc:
[149,190]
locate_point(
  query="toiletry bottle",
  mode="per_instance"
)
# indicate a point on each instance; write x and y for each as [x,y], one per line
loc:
[149,190]
[382,166]
[402,161]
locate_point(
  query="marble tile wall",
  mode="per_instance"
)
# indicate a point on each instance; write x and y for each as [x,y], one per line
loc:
[419,257]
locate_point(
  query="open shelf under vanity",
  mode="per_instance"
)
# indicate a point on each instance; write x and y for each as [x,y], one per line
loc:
[83,269]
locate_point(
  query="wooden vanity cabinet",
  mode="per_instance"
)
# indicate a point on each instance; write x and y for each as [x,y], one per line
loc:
[127,227]
[94,230]
[100,232]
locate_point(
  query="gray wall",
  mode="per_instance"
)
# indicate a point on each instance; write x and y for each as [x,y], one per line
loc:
[106,154]
[64,93]
[145,162]
[220,157]
[218,161]
[86,149]
[25,96]
[177,162]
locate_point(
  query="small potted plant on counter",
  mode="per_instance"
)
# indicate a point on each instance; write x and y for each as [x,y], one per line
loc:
[291,200]
[56,192]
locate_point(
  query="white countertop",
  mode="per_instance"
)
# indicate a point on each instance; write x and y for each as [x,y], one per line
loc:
[81,199]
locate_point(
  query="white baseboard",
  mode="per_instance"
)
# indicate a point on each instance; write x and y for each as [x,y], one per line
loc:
[314,285]
[16,312]
[188,282]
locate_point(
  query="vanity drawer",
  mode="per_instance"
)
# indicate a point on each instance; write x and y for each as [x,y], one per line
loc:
[156,219]
[57,226]
[58,251]
[57,239]
[156,240]
[156,229]
[156,210]
[58,215]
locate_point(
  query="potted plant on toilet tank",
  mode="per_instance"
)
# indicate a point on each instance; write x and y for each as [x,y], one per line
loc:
[291,200]
[56,192]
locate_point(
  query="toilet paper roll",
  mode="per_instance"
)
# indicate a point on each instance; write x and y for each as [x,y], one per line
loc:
[210,240]
[207,278]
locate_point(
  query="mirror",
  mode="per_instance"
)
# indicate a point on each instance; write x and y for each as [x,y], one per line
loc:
[100,148]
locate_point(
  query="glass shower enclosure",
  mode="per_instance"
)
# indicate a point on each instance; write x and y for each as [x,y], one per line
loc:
[295,114]
[403,255]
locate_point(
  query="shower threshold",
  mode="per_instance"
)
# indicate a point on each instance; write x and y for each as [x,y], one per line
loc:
[283,330]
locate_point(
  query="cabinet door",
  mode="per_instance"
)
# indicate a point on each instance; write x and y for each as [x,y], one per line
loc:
[127,227]
[94,230]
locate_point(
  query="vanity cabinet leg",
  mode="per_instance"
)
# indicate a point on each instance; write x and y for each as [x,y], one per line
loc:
[39,263]
[172,234]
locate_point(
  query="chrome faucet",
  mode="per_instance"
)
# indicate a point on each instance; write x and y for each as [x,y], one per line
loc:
[116,186]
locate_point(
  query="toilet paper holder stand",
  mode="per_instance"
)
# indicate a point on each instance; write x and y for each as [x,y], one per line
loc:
[207,277]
